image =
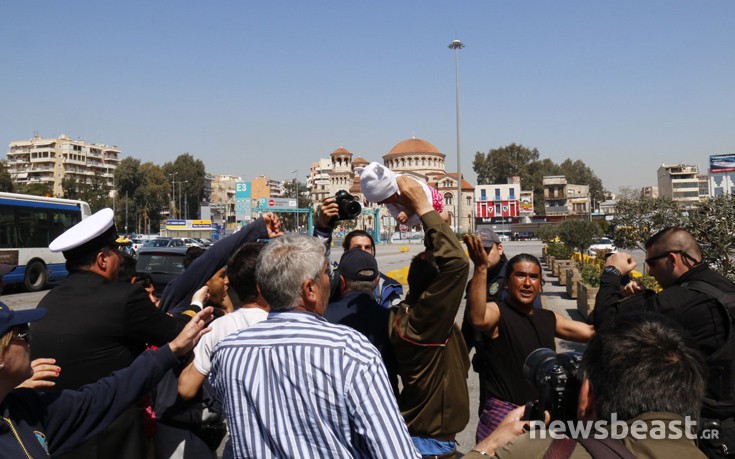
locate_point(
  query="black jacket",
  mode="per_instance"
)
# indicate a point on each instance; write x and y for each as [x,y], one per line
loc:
[695,311]
[95,326]
[55,422]
[178,293]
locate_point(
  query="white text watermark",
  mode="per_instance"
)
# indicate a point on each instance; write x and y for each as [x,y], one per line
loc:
[616,429]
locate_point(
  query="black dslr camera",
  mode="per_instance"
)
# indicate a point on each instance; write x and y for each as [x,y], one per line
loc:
[557,379]
[349,207]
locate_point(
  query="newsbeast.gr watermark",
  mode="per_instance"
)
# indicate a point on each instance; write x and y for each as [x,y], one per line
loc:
[616,429]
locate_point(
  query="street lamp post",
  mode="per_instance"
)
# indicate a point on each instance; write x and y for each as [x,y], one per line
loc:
[180,184]
[296,214]
[173,195]
[456,45]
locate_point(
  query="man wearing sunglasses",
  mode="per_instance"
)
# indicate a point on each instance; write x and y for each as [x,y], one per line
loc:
[690,297]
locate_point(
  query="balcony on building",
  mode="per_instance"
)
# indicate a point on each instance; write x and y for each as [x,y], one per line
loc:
[556,210]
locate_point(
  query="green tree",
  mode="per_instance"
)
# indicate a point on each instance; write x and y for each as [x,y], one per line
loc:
[636,220]
[712,223]
[128,180]
[548,232]
[95,193]
[189,174]
[151,197]
[6,181]
[580,234]
[70,187]
[37,189]
[579,173]
[502,163]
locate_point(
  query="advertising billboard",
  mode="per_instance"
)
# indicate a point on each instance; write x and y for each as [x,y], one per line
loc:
[722,163]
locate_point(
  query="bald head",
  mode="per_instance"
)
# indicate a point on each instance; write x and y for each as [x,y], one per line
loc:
[675,238]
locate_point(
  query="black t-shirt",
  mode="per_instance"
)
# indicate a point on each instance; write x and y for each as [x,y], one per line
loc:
[519,334]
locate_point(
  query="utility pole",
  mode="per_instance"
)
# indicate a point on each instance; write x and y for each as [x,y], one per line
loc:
[456,45]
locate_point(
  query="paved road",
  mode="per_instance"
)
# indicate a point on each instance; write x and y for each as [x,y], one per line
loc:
[390,258]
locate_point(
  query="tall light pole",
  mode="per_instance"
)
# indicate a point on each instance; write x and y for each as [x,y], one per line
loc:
[296,181]
[173,195]
[180,208]
[456,45]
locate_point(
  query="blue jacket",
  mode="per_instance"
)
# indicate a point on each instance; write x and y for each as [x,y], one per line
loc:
[387,293]
[360,312]
[178,293]
[37,424]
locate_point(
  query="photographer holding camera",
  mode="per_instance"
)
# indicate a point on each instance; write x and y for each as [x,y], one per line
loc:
[343,206]
[512,329]
[695,296]
[643,370]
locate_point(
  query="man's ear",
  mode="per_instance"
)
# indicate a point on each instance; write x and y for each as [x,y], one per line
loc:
[101,260]
[342,285]
[586,402]
[309,294]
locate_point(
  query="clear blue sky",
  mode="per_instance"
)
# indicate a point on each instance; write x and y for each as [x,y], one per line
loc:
[267,87]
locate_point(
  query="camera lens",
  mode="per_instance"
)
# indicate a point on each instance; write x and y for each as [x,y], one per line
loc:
[353,209]
[537,362]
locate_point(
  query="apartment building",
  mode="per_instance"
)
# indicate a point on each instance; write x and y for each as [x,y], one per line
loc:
[264,187]
[222,199]
[497,203]
[680,183]
[564,199]
[51,160]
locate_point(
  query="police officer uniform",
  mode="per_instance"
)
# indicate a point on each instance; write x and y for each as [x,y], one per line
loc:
[95,326]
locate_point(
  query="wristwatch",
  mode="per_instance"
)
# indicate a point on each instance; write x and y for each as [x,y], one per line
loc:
[612,270]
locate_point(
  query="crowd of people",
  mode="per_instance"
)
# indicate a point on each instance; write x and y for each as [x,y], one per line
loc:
[307,360]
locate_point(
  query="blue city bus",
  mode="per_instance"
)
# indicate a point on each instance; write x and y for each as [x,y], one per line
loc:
[28,224]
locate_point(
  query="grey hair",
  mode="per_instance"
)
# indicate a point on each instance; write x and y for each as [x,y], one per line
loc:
[283,267]
[359,285]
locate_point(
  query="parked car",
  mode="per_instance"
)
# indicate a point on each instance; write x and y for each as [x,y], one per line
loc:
[165,242]
[191,242]
[504,236]
[407,238]
[162,263]
[521,236]
[602,244]
[136,244]
[206,243]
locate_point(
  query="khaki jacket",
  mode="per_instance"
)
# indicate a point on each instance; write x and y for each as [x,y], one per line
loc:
[431,353]
[680,448]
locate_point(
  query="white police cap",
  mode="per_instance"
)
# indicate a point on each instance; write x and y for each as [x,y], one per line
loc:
[88,236]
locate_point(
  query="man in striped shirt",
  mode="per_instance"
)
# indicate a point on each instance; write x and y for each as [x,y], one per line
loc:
[296,385]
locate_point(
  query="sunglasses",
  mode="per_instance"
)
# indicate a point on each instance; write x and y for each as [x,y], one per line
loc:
[23,333]
[649,261]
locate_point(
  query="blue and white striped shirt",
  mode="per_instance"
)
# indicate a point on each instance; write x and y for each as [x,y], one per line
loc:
[297,386]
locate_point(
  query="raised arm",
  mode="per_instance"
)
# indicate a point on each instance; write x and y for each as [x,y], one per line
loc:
[573,330]
[73,416]
[179,292]
[483,316]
